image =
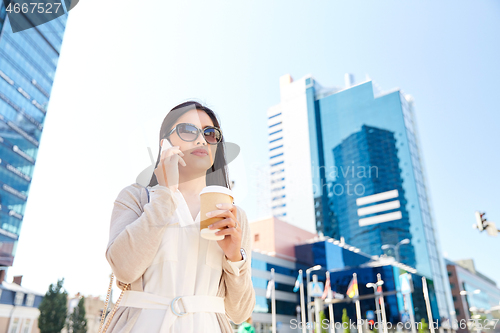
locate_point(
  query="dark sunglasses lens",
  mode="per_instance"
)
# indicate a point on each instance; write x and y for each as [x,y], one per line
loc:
[212,135]
[187,132]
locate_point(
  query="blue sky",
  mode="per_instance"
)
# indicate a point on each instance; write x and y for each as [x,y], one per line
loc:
[123,68]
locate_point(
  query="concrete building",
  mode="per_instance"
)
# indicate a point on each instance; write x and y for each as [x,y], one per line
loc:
[19,307]
[474,295]
[94,306]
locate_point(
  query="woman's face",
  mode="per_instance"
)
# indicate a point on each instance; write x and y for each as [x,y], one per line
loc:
[200,162]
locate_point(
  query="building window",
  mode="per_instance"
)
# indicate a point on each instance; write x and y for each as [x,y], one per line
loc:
[457,312]
[280,146]
[275,132]
[14,325]
[281,154]
[27,324]
[19,298]
[256,238]
[30,300]
[452,286]
[276,140]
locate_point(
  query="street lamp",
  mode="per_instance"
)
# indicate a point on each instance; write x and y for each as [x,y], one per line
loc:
[473,308]
[375,286]
[396,247]
[308,278]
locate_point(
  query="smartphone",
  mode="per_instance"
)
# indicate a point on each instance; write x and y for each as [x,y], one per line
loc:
[165,145]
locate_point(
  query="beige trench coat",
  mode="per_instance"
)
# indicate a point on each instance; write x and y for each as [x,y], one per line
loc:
[137,245]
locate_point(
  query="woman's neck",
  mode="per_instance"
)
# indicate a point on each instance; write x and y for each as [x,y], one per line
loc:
[193,185]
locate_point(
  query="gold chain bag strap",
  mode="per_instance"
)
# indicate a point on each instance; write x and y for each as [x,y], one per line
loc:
[126,287]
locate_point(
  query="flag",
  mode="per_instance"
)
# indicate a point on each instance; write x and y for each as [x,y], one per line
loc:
[327,287]
[270,286]
[352,290]
[298,283]
[379,290]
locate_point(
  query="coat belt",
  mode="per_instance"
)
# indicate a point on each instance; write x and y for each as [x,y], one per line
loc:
[178,306]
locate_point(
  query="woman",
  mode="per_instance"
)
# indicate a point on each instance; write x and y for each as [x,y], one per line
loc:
[180,282]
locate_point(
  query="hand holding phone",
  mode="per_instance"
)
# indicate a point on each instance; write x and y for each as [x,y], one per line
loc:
[167,171]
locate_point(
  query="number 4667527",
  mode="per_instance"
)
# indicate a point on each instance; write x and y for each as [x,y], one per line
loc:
[33,7]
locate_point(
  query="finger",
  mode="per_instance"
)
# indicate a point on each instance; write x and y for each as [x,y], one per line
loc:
[177,159]
[220,213]
[229,222]
[164,154]
[171,151]
[225,205]
[227,231]
[174,151]
[230,207]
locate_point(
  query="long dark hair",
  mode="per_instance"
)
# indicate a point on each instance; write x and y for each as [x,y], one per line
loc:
[217,174]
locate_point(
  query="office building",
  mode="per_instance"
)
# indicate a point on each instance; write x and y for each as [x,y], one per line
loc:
[287,248]
[28,61]
[346,163]
[273,246]
[474,294]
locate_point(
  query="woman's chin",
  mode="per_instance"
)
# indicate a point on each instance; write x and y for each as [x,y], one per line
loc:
[197,166]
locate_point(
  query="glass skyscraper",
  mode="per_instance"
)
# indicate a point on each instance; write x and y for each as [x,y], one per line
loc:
[28,61]
[345,162]
[367,162]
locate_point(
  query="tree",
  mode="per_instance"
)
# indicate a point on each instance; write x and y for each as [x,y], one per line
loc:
[322,317]
[424,327]
[345,319]
[77,322]
[53,309]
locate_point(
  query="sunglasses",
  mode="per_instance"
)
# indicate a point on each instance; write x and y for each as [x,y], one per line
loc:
[189,132]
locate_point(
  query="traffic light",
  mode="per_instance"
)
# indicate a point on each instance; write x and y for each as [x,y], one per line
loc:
[481,222]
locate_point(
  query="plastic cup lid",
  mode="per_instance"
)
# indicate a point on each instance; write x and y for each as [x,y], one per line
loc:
[217,189]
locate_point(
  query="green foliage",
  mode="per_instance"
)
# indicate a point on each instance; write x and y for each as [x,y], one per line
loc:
[424,327]
[345,319]
[77,323]
[53,309]
[322,323]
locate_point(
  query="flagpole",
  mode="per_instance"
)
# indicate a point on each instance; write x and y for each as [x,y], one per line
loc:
[427,305]
[382,306]
[358,312]
[358,309]
[330,306]
[330,311]
[302,306]
[316,320]
[273,302]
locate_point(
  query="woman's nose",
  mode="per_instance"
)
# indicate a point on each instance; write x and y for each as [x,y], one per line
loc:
[202,141]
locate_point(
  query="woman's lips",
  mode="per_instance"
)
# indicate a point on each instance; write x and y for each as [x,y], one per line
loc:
[199,153]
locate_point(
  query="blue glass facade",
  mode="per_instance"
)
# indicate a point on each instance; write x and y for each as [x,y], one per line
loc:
[362,145]
[373,152]
[343,261]
[263,304]
[28,61]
